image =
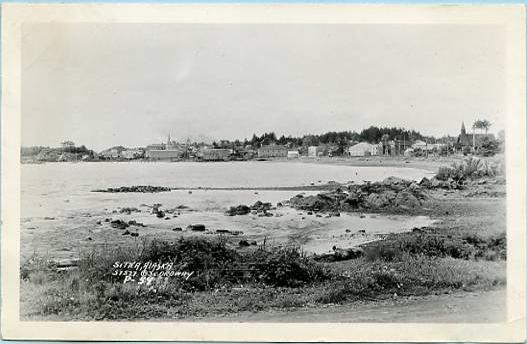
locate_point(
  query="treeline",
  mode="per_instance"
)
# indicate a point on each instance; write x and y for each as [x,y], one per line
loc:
[35,150]
[372,134]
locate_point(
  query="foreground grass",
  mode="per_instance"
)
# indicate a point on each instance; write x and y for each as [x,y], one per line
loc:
[228,284]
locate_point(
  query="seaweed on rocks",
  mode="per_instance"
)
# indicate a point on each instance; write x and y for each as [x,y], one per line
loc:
[136,188]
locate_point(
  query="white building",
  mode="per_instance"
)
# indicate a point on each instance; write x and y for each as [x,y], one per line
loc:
[312,151]
[376,149]
[293,154]
[360,149]
[419,145]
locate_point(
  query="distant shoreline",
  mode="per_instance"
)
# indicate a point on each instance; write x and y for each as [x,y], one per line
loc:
[429,164]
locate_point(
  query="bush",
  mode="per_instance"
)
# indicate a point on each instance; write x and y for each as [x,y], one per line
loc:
[286,267]
[469,168]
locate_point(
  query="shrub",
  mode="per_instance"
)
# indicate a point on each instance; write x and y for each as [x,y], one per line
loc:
[469,168]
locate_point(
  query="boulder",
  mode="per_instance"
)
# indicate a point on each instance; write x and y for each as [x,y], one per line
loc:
[238,210]
[197,227]
[406,199]
[377,201]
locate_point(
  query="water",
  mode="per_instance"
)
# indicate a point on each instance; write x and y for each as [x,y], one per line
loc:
[59,211]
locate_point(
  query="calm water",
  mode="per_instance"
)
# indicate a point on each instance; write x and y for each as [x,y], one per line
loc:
[59,211]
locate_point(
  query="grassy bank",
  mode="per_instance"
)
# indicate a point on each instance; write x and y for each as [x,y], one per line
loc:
[230,280]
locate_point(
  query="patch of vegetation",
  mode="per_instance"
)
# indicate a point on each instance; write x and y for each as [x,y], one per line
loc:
[469,168]
[227,280]
[436,244]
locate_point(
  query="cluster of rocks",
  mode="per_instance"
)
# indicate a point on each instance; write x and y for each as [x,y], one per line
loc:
[390,193]
[120,224]
[129,210]
[245,243]
[340,254]
[259,207]
[136,188]
[434,183]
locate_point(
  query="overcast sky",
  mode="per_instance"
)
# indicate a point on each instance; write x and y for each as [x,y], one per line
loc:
[103,85]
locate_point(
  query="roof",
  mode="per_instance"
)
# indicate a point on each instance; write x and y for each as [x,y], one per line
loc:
[361,145]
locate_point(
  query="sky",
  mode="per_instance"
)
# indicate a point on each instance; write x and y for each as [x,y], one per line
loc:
[104,85]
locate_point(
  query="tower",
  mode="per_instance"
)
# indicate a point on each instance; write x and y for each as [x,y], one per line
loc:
[463,130]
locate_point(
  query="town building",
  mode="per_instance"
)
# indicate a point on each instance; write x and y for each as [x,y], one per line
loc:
[360,149]
[272,151]
[215,154]
[169,151]
[164,154]
[313,151]
[419,144]
[293,154]
[134,153]
[473,140]
[376,149]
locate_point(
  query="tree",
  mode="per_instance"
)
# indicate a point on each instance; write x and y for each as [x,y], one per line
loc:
[478,124]
[485,125]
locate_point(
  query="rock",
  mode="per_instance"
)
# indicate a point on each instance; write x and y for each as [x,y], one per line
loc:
[243,243]
[128,210]
[134,234]
[318,215]
[190,191]
[135,223]
[49,218]
[361,231]
[236,232]
[253,243]
[309,213]
[348,230]
[177,229]
[261,206]
[167,218]
[107,220]
[89,238]
[377,201]
[223,231]
[425,183]
[279,204]
[362,216]
[197,228]
[406,199]
[119,224]
[99,222]
[138,188]
[160,214]
[238,210]
[126,232]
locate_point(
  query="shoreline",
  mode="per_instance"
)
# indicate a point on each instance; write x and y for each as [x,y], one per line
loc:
[429,164]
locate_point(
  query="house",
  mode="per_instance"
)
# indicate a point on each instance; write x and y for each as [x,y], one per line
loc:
[164,154]
[419,144]
[313,151]
[376,149]
[155,146]
[215,154]
[134,153]
[293,154]
[360,149]
[272,151]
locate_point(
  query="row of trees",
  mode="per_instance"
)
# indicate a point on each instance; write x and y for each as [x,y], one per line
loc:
[372,134]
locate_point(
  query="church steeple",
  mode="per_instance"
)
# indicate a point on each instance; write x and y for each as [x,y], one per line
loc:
[463,131]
